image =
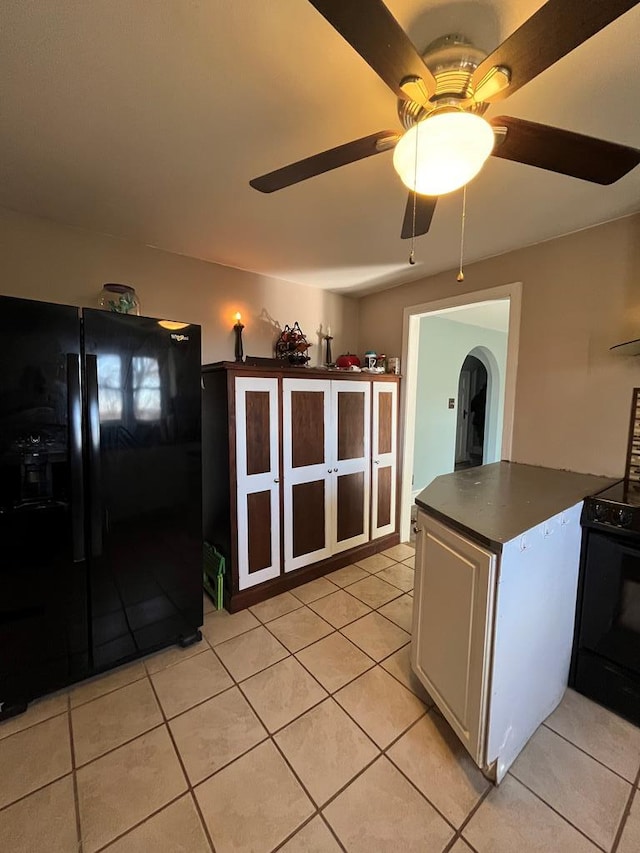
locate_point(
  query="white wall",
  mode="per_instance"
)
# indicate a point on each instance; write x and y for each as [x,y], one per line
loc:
[443,347]
[56,263]
[580,295]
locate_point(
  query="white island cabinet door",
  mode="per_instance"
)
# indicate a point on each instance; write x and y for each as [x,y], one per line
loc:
[452,627]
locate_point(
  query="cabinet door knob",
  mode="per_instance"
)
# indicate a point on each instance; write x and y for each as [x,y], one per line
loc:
[335,470]
[277,480]
[328,470]
[376,462]
[417,529]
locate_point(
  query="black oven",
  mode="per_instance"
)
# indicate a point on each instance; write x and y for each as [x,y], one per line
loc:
[606,654]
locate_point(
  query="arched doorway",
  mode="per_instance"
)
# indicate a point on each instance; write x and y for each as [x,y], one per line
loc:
[472,413]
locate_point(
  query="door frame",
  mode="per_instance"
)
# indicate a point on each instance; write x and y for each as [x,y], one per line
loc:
[410,341]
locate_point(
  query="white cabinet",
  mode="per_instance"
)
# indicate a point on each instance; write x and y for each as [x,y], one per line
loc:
[257,480]
[492,632]
[287,469]
[454,598]
[307,451]
[326,468]
[384,471]
[351,453]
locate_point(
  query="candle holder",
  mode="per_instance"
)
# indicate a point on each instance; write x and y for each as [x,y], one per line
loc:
[238,330]
[329,359]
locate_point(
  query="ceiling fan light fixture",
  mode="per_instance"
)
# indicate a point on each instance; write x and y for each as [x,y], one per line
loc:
[443,152]
[496,80]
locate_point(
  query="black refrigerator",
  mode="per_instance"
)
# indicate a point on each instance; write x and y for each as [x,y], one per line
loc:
[100,493]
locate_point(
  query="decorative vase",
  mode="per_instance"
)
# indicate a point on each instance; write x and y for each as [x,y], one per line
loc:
[120,298]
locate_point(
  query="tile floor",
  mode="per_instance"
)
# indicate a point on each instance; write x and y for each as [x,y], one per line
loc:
[298,726]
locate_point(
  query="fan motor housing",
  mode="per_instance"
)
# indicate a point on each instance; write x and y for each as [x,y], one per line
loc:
[452,59]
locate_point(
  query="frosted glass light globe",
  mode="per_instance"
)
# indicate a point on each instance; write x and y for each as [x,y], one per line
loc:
[451,149]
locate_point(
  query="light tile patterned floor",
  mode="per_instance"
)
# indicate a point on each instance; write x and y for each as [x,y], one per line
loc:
[299,726]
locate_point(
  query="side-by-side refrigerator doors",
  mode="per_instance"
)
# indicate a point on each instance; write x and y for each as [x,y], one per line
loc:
[143,482]
[43,594]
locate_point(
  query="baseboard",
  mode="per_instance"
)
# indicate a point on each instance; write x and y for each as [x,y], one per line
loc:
[283,583]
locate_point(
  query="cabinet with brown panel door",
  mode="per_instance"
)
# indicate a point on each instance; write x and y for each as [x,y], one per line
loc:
[384,458]
[257,452]
[289,473]
[326,467]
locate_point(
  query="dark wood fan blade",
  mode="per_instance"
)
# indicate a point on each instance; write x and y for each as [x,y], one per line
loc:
[425,207]
[350,152]
[562,151]
[374,33]
[553,31]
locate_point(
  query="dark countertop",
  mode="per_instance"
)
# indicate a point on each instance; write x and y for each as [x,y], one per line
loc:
[495,503]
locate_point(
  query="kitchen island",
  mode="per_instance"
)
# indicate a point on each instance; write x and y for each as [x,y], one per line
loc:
[495,503]
[497,558]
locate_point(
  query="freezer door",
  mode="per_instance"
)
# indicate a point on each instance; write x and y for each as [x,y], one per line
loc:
[144,482]
[43,603]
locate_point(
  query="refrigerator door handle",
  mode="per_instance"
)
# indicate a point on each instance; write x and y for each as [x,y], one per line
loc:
[93,432]
[76,475]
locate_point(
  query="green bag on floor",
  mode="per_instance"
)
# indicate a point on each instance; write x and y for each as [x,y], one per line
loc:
[213,569]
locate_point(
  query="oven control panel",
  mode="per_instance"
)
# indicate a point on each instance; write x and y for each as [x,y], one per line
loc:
[612,515]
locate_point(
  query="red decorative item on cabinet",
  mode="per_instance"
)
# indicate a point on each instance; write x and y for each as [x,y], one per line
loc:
[347,360]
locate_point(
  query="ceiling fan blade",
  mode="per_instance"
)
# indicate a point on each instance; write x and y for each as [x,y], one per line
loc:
[425,207]
[350,152]
[374,33]
[562,151]
[553,31]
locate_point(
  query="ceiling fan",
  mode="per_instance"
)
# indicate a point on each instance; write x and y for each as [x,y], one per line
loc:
[443,94]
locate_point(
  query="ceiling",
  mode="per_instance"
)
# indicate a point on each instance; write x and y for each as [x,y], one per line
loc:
[146,120]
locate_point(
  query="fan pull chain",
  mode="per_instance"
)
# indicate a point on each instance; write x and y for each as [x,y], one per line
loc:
[412,254]
[412,259]
[460,276]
